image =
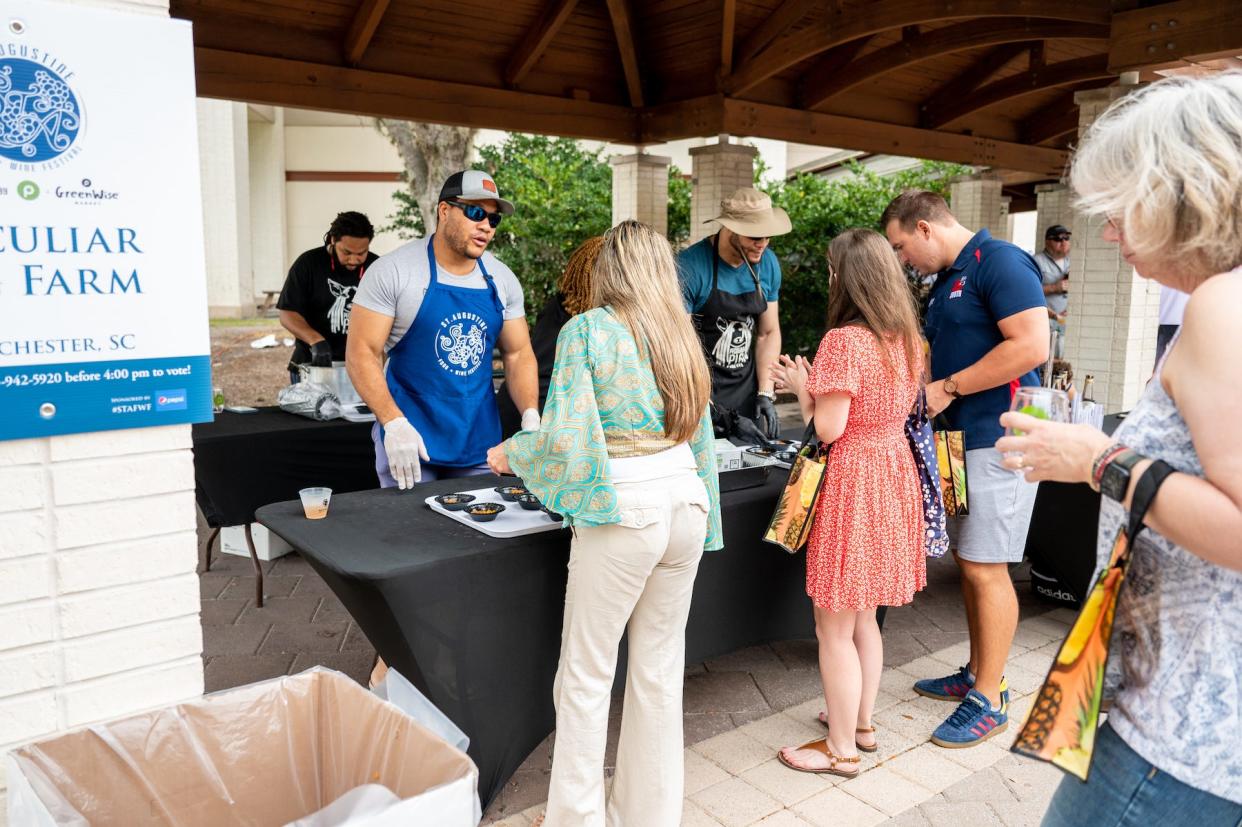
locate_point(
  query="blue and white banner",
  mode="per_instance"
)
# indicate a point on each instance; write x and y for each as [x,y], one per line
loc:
[103,299]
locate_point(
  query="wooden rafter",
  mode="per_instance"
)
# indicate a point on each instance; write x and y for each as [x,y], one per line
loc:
[772,26]
[1171,33]
[728,26]
[821,87]
[536,41]
[1051,76]
[716,113]
[245,77]
[623,27]
[842,26]
[1053,120]
[972,77]
[362,29]
[833,61]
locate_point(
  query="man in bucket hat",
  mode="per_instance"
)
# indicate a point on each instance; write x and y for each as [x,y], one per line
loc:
[731,282]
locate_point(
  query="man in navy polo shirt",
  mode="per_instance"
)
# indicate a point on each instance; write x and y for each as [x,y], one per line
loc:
[987,325]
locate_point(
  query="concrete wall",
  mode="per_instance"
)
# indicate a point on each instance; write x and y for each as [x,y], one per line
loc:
[99,605]
[224,151]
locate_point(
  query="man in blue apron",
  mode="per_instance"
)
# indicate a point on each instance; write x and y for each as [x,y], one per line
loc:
[437,307]
[730,283]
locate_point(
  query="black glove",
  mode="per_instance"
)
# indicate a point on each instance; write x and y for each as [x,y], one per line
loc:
[722,421]
[766,417]
[749,430]
[321,354]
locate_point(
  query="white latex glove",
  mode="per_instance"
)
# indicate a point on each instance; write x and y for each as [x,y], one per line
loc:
[530,420]
[404,446]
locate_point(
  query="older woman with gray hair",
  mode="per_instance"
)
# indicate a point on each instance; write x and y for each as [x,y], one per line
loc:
[1164,167]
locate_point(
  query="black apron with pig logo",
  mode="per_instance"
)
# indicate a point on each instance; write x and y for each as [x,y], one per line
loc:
[726,326]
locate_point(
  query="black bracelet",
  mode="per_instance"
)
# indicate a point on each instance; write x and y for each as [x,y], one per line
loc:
[1145,494]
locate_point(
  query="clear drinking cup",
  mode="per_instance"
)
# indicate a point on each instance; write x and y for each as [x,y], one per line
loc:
[315,502]
[1041,403]
[217,400]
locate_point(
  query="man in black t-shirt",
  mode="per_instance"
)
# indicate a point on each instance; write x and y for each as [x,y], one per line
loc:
[319,292]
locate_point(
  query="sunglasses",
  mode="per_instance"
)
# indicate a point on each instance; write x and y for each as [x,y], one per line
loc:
[1059,238]
[475,213]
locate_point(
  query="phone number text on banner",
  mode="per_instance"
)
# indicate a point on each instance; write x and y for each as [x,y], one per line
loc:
[45,400]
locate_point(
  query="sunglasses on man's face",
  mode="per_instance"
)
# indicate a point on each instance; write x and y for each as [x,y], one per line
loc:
[475,213]
[1059,238]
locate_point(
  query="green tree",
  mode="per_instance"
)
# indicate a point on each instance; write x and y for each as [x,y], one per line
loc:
[678,207]
[820,209]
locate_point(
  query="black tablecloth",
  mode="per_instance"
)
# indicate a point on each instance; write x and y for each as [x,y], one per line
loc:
[1061,541]
[243,461]
[475,622]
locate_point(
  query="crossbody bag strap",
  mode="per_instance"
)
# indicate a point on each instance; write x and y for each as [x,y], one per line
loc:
[1144,495]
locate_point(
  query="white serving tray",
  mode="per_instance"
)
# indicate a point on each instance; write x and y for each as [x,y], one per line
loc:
[514,521]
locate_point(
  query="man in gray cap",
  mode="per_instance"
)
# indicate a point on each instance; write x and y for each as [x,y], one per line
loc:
[731,283]
[1054,267]
[437,307]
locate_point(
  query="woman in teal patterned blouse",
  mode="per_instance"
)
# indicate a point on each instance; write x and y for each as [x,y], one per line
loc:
[625,453]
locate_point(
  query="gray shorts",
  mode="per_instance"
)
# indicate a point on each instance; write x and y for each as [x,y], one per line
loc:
[1000,511]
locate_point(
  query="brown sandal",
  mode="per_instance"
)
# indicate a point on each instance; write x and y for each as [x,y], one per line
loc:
[822,746]
[861,747]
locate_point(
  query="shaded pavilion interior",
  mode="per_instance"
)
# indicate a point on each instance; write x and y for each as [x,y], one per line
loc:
[989,83]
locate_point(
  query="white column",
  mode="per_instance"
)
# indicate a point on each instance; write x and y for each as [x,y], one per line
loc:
[640,190]
[267,197]
[98,593]
[1113,313]
[224,152]
[1052,206]
[716,171]
[977,203]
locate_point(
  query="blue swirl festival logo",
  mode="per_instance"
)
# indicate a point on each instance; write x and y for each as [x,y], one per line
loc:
[460,343]
[40,116]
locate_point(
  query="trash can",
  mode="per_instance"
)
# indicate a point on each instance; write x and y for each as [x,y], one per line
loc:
[270,753]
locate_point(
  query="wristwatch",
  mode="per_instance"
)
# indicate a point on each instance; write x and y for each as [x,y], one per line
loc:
[1115,481]
[950,387]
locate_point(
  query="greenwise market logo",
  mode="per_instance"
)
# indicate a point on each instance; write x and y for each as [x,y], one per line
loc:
[28,190]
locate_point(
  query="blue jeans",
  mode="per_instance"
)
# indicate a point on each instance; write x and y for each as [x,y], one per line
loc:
[1124,790]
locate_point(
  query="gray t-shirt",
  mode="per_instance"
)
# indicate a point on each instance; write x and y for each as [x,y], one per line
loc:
[396,283]
[1050,272]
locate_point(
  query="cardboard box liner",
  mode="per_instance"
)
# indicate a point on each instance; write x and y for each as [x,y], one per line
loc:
[264,754]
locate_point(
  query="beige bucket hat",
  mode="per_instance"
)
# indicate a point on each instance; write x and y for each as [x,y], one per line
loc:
[749,212]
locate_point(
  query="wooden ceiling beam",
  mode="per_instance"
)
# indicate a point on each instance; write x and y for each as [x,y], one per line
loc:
[1051,76]
[537,40]
[1055,120]
[970,78]
[772,26]
[712,114]
[1172,34]
[244,77]
[362,29]
[820,86]
[843,25]
[623,27]
[833,61]
[728,26]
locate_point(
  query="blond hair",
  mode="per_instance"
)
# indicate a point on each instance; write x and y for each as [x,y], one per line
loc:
[575,283]
[1165,164]
[636,276]
[871,291]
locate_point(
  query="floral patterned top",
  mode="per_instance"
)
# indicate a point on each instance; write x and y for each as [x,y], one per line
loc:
[1176,662]
[602,403]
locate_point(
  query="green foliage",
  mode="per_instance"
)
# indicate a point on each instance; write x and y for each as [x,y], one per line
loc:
[563,195]
[407,221]
[678,207]
[820,209]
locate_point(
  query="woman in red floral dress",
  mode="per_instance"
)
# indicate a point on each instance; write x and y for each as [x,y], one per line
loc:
[866,544]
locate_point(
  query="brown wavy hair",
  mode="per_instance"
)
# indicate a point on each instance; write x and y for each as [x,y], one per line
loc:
[870,291]
[636,276]
[575,283]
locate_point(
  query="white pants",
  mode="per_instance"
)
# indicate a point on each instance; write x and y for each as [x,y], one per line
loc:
[640,574]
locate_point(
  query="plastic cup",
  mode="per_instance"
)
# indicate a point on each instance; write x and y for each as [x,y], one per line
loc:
[315,502]
[217,400]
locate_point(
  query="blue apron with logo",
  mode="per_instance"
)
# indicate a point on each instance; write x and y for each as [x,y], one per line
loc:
[440,373]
